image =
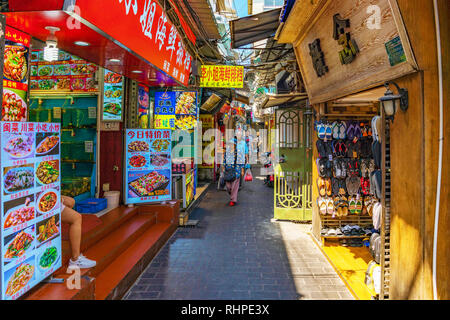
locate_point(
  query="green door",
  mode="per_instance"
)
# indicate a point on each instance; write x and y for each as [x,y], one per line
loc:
[292,189]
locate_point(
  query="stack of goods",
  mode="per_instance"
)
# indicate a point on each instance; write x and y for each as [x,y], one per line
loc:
[347,168]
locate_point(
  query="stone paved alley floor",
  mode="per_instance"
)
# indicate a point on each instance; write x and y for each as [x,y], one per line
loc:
[238,253]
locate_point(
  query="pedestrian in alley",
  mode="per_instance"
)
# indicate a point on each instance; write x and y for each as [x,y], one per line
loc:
[235,158]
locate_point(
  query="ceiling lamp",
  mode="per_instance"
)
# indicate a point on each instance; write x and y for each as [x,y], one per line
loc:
[51,50]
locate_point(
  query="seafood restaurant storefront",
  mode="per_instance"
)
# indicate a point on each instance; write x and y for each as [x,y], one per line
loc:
[79,119]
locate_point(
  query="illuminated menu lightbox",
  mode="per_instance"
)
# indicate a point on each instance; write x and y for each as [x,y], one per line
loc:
[30,202]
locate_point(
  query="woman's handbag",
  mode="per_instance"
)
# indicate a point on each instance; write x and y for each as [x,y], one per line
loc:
[229,174]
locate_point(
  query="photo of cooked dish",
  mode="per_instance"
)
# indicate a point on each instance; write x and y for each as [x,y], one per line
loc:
[48,144]
[185,122]
[15,63]
[47,201]
[160,144]
[186,103]
[90,83]
[34,85]
[35,56]
[147,184]
[34,71]
[63,84]
[48,172]
[48,258]
[113,108]
[19,279]
[138,146]
[112,77]
[19,145]
[137,161]
[18,178]
[61,70]
[13,107]
[159,160]
[48,229]
[80,69]
[46,84]
[78,84]
[45,71]
[20,214]
[19,245]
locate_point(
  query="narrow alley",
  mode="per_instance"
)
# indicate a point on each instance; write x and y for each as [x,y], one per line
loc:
[238,253]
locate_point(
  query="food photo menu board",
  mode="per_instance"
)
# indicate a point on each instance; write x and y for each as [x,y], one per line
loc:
[15,75]
[148,170]
[176,110]
[68,73]
[30,200]
[112,96]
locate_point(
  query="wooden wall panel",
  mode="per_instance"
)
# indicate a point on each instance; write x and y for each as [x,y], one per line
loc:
[419,128]
[371,66]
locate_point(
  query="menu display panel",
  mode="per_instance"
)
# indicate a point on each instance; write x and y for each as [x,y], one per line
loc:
[15,75]
[112,96]
[30,203]
[148,173]
[176,110]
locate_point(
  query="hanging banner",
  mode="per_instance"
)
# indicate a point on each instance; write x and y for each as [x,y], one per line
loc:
[112,97]
[30,200]
[15,75]
[176,110]
[145,29]
[143,107]
[148,174]
[207,121]
[222,76]
[69,73]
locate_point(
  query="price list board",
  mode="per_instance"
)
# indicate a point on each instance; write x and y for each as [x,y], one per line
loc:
[30,202]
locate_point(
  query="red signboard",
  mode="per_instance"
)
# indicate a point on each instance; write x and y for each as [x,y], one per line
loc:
[143,27]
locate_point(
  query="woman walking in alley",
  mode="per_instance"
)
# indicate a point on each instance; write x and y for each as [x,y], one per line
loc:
[235,158]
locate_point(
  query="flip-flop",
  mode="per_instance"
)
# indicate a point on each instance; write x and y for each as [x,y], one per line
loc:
[365,186]
[321,187]
[322,204]
[320,130]
[330,206]
[344,204]
[342,130]
[337,207]
[328,132]
[351,205]
[328,187]
[335,127]
[342,187]
[321,148]
[358,207]
[322,167]
[335,186]
[337,169]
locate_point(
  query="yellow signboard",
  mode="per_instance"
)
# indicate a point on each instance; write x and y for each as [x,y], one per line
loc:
[222,76]
[164,121]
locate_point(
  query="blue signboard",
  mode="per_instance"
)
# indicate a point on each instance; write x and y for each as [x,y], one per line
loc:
[148,167]
[30,203]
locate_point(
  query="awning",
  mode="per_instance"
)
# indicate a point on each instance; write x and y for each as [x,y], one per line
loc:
[274,100]
[253,28]
[368,96]
[242,98]
[211,103]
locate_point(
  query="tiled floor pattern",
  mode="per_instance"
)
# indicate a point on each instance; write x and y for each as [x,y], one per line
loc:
[238,253]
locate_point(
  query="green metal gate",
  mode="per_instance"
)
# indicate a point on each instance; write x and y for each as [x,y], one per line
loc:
[293,176]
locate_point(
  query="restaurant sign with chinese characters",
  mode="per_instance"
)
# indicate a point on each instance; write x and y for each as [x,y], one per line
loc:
[145,29]
[222,76]
[352,47]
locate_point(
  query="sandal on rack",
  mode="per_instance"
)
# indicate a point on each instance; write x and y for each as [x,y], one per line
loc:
[321,186]
[330,206]
[358,208]
[322,204]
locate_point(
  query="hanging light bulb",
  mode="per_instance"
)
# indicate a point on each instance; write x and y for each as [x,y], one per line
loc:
[51,50]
